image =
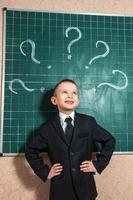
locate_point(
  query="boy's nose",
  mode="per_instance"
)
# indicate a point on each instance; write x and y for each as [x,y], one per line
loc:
[70,95]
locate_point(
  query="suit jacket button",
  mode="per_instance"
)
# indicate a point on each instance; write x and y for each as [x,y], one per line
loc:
[73,170]
[71,153]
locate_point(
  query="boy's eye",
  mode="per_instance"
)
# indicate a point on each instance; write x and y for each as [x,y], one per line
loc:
[75,93]
[65,92]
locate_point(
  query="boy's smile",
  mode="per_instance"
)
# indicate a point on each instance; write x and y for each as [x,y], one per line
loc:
[66,97]
[69,102]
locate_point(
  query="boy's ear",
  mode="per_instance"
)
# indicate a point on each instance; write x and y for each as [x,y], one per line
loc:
[53,100]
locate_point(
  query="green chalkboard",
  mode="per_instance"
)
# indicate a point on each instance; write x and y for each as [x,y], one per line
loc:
[42,48]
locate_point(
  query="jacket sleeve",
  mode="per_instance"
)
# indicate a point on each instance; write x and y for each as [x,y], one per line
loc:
[107,142]
[32,154]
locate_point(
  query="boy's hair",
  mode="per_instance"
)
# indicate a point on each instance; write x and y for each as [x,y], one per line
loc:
[62,81]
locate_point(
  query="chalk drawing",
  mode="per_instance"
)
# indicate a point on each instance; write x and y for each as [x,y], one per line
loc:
[101,55]
[32,43]
[21,83]
[72,41]
[116,86]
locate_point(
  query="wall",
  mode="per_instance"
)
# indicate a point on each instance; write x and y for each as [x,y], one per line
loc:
[17,180]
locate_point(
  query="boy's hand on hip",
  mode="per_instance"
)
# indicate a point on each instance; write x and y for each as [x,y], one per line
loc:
[55,170]
[87,166]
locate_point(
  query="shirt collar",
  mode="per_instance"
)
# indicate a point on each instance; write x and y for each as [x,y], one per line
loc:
[63,116]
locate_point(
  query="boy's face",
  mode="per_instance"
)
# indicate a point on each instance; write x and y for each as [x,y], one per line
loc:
[66,97]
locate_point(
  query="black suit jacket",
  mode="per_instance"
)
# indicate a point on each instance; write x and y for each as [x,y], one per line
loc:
[72,184]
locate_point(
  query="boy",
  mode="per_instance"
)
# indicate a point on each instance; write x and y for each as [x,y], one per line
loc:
[69,144]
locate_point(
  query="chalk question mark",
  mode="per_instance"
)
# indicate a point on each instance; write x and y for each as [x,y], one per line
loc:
[73,41]
[42,89]
[101,55]
[32,43]
[116,86]
[21,83]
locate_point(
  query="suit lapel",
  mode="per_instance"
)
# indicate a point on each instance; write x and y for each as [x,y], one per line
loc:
[60,132]
[77,125]
[58,128]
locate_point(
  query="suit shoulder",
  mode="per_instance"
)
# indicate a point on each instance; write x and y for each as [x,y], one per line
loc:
[43,129]
[86,117]
[45,124]
[49,122]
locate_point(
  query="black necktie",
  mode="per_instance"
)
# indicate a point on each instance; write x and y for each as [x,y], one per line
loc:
[69,129]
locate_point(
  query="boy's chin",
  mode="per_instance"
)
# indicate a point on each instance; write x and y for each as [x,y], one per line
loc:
[70,108]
